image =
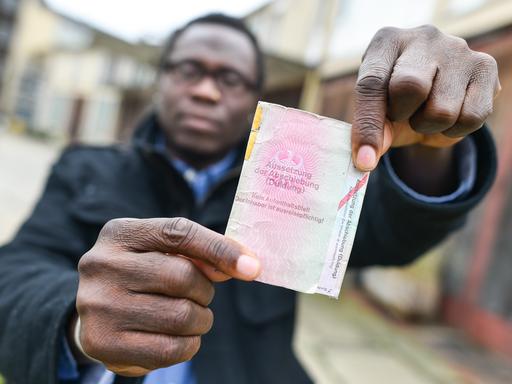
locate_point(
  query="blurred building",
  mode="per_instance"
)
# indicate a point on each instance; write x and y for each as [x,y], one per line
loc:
[8,14]
[478,264]
[325,42]
[295,37]
[69,80]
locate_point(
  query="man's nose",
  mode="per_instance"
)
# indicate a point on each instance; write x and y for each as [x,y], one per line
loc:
[206,90]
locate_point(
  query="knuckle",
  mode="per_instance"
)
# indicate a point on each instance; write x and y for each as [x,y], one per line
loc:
[178,231]
[473,119]
[94,264]
[193,344]
[91,262]
[185,271]
[179,279]
[177,350]
[457,131]
[370,128]
[168,353]
[373,84]
[95,305]
[407,85]
[182,315]
[388,38]
[92,341]
[484,63]
[112,228]
[208,321]
[429,30]
[83,302]
[88,342]
[209,294]
[458,42]
[441,116]
[218,251]
[383,37]
[386,32]
[127,370]
[87,263]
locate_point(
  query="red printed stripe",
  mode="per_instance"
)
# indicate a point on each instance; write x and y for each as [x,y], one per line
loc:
[353,191]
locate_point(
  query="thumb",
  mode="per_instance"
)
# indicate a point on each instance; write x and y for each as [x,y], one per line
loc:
[369,118]
[371,94]
[212,273]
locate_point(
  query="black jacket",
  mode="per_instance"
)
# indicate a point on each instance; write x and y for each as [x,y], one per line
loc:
[251,339]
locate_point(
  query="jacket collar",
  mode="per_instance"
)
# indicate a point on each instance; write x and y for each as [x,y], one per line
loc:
[148,130]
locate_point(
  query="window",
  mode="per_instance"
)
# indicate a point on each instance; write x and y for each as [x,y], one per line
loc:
[9,7]
[5,33]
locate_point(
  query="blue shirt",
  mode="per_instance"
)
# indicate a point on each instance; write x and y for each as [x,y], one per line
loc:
[200,181]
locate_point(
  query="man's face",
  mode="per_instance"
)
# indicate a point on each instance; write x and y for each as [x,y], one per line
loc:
[206,98]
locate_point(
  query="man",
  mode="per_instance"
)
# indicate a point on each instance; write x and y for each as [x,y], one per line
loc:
[145,300]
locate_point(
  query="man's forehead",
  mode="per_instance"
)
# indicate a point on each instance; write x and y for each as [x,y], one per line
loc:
[215,42]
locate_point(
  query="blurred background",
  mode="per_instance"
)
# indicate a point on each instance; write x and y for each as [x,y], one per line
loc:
[84,71]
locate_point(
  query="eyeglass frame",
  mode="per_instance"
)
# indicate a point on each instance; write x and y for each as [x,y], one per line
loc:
[171,67]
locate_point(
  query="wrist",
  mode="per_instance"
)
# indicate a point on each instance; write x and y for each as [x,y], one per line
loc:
[428,170]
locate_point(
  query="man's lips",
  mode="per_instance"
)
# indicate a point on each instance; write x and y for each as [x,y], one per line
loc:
[200,123]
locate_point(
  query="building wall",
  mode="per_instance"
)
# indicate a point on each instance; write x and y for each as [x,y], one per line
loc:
[38,31]
[478,262]
[8,15]
[67,80]
[93,81]
[293,29]
[465,18]
[358,20]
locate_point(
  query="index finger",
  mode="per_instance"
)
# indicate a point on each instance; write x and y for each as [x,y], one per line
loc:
[371,94]
[185,237]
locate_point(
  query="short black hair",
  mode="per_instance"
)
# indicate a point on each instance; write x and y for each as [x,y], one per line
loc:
[227,21]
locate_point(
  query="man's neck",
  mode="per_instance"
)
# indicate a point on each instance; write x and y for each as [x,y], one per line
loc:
[196,161]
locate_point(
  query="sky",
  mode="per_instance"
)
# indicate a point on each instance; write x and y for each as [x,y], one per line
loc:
[147,19]
[153,20]
[363,18]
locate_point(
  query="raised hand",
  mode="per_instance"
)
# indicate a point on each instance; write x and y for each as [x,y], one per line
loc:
[419,86]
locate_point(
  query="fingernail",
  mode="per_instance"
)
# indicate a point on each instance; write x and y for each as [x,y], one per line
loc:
[366,158]
[248,266]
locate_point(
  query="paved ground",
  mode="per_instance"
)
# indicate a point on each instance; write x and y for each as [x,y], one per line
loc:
[23,168]
[347,341]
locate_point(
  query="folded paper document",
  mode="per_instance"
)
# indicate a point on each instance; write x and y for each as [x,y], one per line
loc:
[299,198]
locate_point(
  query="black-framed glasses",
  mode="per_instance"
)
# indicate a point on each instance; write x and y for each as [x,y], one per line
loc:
[192,72]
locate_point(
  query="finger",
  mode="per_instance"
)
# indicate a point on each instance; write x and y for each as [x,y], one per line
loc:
[371,98]
[127,371]
[410,84]
[161,314]
[173,276]
[478,103]
[439,140]
[475,110]
[183,236]
[443,106]
[389,133]
[129,353]
[212,273]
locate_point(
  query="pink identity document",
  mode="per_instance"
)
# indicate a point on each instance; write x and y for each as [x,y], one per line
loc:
[299,198]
